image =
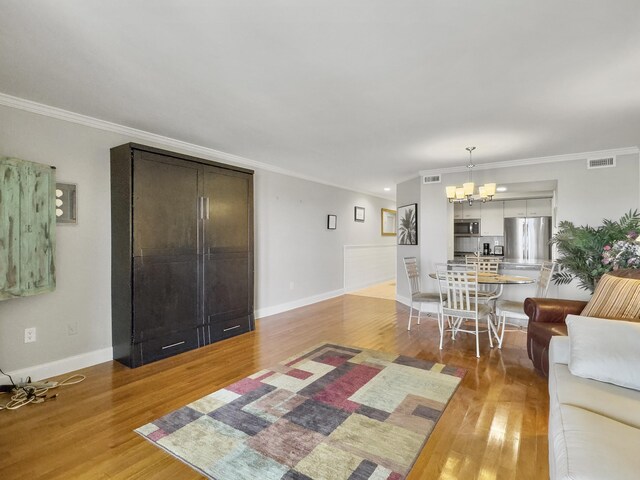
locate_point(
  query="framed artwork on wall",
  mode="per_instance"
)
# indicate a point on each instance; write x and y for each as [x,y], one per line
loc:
[358,214]
[387,222]
[332,222]
[408,224]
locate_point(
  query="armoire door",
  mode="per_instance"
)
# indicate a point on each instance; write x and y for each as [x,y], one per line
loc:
[227,247]
[165,246]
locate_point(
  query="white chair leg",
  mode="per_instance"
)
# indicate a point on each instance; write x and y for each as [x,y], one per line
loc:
[419,312]
[503,321]
[410,316]
[441,326]
[490,330]
[477,341]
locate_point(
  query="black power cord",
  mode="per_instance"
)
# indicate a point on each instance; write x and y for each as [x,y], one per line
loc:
[7,388]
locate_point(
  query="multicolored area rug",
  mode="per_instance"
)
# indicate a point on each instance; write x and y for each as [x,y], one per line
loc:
[330,413]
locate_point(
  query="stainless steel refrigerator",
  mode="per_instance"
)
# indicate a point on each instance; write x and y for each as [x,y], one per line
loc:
[527,239]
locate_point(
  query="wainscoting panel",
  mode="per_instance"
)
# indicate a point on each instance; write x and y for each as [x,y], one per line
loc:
[366,265]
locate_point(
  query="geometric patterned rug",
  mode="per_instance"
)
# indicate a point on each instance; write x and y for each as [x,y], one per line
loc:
[332,412]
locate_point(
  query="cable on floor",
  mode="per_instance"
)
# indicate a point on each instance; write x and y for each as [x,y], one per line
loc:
[36,392]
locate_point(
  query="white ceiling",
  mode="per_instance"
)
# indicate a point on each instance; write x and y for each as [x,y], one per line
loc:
[360,93]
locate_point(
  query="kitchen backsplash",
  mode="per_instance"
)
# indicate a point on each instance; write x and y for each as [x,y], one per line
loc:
[473,244]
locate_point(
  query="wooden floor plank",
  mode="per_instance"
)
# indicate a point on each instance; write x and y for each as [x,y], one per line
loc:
[494,427]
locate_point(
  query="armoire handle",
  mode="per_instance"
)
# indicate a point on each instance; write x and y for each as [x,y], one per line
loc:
[204,208]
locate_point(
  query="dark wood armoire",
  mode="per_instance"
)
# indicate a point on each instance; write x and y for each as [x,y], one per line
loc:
[182,252]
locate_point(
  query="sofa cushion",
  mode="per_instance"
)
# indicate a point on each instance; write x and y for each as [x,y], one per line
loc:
[587,446]
[559,350]
[605,350]
[615,298]
[619,404]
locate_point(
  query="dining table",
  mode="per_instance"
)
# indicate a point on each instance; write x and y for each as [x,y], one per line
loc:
[489,278]
[500,280]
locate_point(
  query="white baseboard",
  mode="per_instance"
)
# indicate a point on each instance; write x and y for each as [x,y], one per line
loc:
[403,300]
[59,367]
[284,307]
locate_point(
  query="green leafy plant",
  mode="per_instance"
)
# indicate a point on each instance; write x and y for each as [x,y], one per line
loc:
[581,248]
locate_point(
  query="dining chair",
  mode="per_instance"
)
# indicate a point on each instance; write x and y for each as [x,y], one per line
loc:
[458,287]
[485,265]
[513,309]
[417,295]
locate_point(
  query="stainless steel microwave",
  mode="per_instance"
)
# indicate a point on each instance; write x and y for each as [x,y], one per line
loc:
[466,228]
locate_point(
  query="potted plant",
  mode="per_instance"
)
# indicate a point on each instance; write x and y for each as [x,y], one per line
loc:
[586,253]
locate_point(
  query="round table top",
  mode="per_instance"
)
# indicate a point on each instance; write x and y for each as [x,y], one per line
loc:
[487,278]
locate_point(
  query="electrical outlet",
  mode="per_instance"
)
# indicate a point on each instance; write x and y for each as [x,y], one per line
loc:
[291,285]
[72,328]
[29,334]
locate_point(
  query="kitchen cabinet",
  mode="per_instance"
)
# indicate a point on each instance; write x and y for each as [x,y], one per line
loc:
[466,211]
[515,208]
[457,211]
[27,228]
[492,219]
[182,253]
[539,207]
[471,211]
[534,207]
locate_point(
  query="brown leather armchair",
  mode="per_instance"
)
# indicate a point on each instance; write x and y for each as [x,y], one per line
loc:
[546,319]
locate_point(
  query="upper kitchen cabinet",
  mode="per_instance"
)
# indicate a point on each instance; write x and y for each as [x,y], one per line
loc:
[457,211]
[515,208]
[492,219]
[465,211]
[539,207]
[471,211]
[534,207]
[27,228]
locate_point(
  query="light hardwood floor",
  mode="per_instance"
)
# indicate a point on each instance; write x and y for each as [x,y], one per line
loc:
[385,290]
[494,427]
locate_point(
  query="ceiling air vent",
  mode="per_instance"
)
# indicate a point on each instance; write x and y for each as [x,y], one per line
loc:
[431,179]
[601,162]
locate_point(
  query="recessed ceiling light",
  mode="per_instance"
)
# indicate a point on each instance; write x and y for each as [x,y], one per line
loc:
[501,189]
[387,189]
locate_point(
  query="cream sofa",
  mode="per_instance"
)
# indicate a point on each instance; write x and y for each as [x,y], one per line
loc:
[594,426]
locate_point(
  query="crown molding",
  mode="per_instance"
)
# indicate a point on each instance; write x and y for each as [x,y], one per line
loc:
[535,160]
[160,140]
[411,177]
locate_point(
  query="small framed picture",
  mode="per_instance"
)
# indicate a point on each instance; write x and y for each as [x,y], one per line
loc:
[332,222]
[388,222]
[358,214]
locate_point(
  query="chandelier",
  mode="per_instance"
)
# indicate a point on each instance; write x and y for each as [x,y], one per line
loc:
[466,192]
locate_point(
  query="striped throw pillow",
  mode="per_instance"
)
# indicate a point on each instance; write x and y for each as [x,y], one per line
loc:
[615,298]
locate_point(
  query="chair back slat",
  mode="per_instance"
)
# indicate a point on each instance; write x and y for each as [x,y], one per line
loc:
[485,264]
[458,289]
[413,274]
[546,272]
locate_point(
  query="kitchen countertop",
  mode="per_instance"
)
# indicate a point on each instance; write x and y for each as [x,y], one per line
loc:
[508,264]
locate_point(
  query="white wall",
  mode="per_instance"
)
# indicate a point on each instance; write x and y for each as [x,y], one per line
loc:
[583,197]
[408,192]
[291,241]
